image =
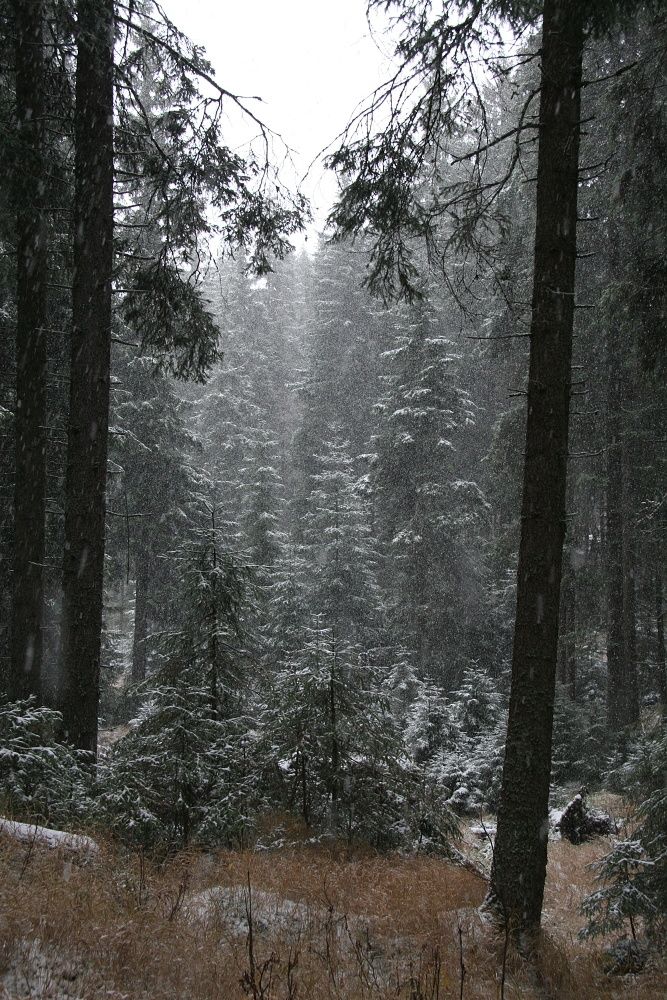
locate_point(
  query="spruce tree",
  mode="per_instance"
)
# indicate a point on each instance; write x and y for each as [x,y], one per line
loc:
[183,774]
[420,502]
[385,194]
[172,159]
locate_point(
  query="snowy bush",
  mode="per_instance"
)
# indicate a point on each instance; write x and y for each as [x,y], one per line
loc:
[187,771]
[387,803]
[633,875]
[471,772]
[458,739]
[181,775]
[578,742]
[41,778]
[342,759]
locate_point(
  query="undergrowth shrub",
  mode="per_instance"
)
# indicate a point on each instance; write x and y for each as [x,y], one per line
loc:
[579,741]
[41,778]
[633,875]
[458,739]
[181,776]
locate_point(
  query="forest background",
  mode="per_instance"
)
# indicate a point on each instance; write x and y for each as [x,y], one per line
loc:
[312,496]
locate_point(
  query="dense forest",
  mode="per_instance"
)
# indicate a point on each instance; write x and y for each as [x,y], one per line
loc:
[361,543]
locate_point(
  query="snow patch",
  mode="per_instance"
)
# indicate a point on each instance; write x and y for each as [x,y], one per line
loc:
[39,969]
[230,906]
[486,831]
[32,833]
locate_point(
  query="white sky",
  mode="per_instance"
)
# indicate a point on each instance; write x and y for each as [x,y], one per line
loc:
[311,61]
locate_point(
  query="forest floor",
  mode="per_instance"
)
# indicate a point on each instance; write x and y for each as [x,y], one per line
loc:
[326,923]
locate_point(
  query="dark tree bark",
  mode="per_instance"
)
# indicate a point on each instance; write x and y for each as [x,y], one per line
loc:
[630,619]
[571,606]
[31,360]
[617,695]
[335,752]
[304,789]
[661,666]
[630,447]
[87,431]
[622,694]
[213,626]
[567,646]
[520,856]
[140,625]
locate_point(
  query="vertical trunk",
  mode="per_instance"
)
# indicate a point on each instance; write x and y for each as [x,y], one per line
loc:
[520,857]
[622,692]
[335,754]
[87,431]
[30,412]
[570,618]
[661,667]
[617,700]
[630,448]
[304,789]
[630,623]
[213,633]
[140,624]
[572,645]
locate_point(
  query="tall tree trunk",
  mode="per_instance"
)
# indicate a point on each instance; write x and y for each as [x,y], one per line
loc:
[140,624]
[87,431]
[567,647]
[213,626]
[520,856]
[661,666]
[630,620]
[30,412]
[622,693]
[617,700]
[630,448]
[571,603]
[335,752]
[304,789]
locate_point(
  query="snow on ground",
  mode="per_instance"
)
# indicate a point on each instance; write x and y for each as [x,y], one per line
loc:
[555,816]
[484,830]
[39,970]
[229,906]
[32,833]
[274,915]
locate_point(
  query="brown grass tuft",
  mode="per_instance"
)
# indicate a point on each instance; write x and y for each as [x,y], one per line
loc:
[368,927]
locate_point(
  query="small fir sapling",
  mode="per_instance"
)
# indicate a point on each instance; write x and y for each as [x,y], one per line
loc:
[185,773]
[40,778]
[633,875]
[458,741]
[578,742]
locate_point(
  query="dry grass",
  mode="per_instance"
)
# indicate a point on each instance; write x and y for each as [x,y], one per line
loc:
[370,928]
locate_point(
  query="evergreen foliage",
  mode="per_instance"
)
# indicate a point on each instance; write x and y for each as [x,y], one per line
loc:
[181,775]
[425,512]
[41,779]
[458,741]
[313,501]
[633,875]
[578,742]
